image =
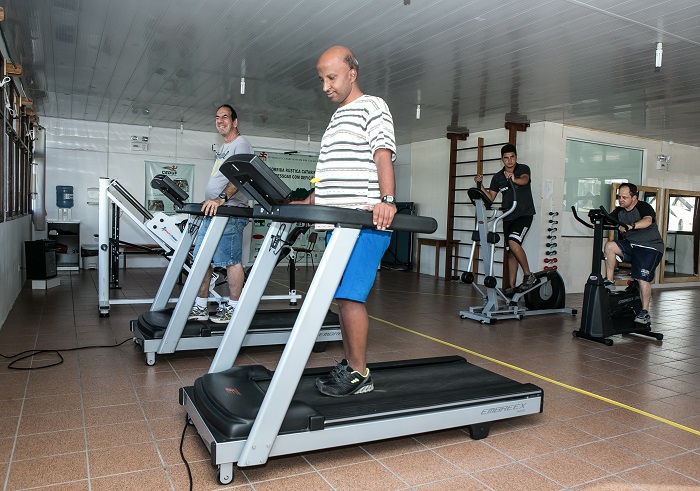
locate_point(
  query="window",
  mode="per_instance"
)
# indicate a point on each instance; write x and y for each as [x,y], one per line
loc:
[16,154]
[681,213]
[591,169]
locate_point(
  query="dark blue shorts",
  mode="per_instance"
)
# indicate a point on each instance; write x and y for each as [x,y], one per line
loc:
[644,260]
[361,270]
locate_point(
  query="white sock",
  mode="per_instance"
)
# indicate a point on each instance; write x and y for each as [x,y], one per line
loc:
[201,302]
[233,303]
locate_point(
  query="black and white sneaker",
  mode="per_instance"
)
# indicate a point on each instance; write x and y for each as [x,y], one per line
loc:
[643,317]
[610,285]
[333,373]
[199,314]
[347,382]
[223,314]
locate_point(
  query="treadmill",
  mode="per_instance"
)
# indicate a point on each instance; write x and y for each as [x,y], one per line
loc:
[246,414]
[164,330]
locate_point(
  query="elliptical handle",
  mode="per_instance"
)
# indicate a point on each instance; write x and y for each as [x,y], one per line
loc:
[586,224]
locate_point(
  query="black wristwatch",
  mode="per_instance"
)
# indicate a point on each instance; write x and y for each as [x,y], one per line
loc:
[223,196]
[389,199]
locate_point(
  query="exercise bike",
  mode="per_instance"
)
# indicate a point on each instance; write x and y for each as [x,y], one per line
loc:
[546,296]
[605,312]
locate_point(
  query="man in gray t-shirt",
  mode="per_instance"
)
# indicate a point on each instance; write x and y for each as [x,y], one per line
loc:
[639,243]
[221,192]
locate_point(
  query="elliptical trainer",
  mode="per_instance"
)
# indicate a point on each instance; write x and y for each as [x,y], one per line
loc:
[546,296]
[605,312]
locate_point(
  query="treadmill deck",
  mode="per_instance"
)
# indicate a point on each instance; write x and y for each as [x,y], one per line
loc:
[401,388]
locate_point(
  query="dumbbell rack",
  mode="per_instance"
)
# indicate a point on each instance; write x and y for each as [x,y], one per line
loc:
[551,245]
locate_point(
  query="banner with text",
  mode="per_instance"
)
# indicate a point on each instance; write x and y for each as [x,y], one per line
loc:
[296,171]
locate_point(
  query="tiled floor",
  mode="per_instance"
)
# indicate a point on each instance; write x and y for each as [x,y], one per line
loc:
[615,418]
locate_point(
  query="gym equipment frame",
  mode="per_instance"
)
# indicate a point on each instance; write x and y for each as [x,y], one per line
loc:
[245,414]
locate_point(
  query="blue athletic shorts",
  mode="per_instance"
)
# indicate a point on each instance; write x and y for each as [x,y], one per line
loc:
[361,270]
[230,248]
[644,260]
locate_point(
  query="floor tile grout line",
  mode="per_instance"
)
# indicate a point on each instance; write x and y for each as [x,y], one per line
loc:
[546,379]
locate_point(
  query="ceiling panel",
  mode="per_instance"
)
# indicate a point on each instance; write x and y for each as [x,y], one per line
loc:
[470,63]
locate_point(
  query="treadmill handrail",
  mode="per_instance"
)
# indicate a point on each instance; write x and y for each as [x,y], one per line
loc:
[231,211]
[258,181]
[344,217]
[291,213]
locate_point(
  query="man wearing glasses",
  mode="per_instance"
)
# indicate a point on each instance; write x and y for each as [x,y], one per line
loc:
[639,243]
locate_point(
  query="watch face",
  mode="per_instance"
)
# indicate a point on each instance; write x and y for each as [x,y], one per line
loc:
[388,199]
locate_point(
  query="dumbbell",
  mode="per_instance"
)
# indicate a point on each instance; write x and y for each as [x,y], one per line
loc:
[553,213]
[552,229]
[551,237]
[550,267]
[550,260]
[551,253]
[551,244]
[553,222]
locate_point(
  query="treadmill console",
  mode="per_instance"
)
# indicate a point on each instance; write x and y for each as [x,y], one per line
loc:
[256,180]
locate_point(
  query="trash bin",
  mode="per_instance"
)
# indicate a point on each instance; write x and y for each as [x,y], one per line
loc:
[89,253]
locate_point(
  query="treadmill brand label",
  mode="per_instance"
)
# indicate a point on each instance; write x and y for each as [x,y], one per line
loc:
[503,409]
[233,391]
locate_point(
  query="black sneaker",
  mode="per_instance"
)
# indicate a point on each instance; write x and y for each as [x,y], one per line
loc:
[643,317]
[327,378]
[509,292]
[347,382]
[610,285]
[528,282]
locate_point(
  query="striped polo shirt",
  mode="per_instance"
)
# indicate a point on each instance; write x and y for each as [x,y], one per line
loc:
[346,172]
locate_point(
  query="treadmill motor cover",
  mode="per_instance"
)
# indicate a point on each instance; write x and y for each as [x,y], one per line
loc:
[230,401]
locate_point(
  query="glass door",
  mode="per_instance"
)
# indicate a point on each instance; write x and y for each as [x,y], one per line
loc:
[680,233]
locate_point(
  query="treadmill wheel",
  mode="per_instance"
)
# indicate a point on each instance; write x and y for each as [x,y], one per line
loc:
[225,477]
[320,346]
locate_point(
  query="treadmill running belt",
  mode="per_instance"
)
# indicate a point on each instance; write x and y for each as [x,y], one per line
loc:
[410,386]
[153,324]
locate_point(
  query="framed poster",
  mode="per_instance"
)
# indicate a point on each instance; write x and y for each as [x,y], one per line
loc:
[182,174]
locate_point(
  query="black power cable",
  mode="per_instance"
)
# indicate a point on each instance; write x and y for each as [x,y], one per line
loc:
[182,454]
[29,353]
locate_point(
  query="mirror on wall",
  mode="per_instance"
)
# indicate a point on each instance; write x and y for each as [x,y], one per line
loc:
[652,196]
[680,233]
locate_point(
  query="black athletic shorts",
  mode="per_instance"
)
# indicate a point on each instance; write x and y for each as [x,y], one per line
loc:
[516,230]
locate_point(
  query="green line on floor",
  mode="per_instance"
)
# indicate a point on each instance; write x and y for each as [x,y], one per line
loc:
[546,379]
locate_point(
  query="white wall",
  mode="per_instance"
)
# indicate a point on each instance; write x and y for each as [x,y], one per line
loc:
[13,233]
[78,153]
[543,148]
